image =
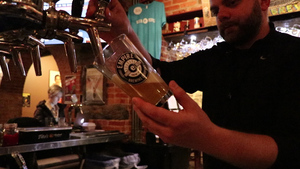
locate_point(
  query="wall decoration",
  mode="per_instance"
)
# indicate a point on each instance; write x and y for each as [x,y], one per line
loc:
[26,99]
[54,78]
[70,88]
[93,81]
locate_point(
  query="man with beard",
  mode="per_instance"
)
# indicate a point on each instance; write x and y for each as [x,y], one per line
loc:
[251,90]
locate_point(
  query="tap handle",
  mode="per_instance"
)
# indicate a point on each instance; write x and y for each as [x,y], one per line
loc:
[34,45]
[17,59]
[71,54]
[96,46]
[69,46]
[33,41]
[77,6]
[76,11]
[13,48]
[4,65]
[36,59]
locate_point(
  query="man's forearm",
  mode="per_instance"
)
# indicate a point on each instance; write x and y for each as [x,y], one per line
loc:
[242,149]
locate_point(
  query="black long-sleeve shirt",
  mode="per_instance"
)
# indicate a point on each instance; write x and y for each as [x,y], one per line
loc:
[42,111]
[254,91]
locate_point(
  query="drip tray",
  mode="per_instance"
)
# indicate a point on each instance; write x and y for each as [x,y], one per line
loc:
[96,133]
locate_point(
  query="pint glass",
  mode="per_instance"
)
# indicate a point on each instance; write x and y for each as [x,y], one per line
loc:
[131,72]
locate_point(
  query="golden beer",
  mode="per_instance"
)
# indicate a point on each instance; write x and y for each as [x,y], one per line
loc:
[152,90]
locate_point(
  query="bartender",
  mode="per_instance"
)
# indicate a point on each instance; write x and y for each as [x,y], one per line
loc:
[251,90]
[48,111]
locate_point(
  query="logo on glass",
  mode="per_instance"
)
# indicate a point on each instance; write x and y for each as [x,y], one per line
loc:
[131,68]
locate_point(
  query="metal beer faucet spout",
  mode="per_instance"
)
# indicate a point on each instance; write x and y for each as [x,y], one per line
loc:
[14,48]
[94,34]
[25,23]
[3,63]
[61,20]
[14,51]
[34,48]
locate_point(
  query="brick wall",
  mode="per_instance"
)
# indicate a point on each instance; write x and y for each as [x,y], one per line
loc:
[123,126]
[173,7]
[11,91]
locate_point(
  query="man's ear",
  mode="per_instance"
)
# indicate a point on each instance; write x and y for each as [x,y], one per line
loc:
[264,4]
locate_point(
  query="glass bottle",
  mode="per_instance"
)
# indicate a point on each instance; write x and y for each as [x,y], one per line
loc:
[10,134]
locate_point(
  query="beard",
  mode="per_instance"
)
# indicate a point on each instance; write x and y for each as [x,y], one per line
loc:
[246,29]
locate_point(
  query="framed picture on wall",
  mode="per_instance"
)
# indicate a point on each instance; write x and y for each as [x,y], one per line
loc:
[26,99]
[70,88]
[54,78]
[93,89]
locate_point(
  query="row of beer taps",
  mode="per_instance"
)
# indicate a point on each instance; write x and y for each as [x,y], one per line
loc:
[23,23]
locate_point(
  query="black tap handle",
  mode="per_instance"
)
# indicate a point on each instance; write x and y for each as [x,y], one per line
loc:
[77,6]
[76,11]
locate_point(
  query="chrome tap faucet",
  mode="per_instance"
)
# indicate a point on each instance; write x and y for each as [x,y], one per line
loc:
[26,23]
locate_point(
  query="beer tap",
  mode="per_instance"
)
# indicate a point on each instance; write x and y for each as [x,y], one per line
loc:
[34,48]
[96,46]
[17,58]
[68,39]
[36,59]
[25,23]
[14,50]
[69,46]
[16,40]
[3,63]
[56,28]
[62,20]
[94,34]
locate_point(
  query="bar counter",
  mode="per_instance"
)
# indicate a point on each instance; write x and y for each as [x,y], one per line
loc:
[61,144]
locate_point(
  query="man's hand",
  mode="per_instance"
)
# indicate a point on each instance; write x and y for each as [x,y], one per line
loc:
[188,128]
[192,128]
[115,15]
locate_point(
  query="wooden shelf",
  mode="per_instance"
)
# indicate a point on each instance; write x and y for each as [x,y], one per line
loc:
[191,15]
[190,31]
[285,16]
[184,16]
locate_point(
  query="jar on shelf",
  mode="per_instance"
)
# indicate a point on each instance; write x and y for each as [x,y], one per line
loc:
[10,134]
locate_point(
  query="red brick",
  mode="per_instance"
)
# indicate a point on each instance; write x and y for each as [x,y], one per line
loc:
[188,4]
[116,122]
[179,1]
[171,8]
[167,3]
